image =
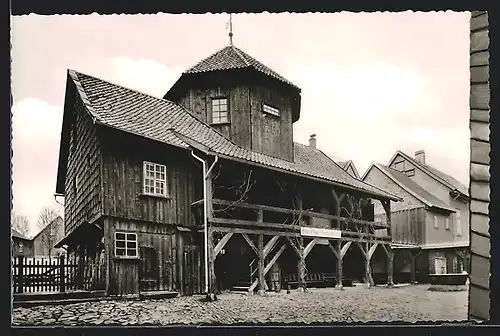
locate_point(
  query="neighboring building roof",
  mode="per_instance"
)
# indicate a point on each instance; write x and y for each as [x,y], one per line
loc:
[438,175]
[346,164]
[160,120]
[410,186]
[58,218]
[17,234]
[231,57]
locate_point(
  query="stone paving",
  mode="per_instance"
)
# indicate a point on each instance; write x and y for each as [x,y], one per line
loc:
[355,304]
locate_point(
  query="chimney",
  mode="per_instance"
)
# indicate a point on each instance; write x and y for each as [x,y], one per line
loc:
[420,156]
[312,141]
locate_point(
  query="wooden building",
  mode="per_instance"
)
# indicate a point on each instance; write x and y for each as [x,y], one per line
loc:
[349,167]
[479,297]
[44,241]
[143,177]
[21,245]
[430,226]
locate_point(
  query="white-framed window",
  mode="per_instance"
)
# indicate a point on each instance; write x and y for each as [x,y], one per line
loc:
[447,223]
[399,166]
[436,223]
[271,110]
[126,245]
[440,265]
[155,179]
[457,223]
[220,111]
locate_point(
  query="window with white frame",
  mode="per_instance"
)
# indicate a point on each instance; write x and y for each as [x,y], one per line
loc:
[436,223]
[220,111]
[126,245]
[447,223]
[155,179]
[457,223]
[271,110]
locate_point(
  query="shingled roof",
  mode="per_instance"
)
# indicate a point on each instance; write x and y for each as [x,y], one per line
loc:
[17,234]
[412,187]
[442,177]
[232,57]
[162,120]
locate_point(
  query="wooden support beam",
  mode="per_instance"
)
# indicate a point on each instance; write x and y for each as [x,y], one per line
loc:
[309,247]
[294,246]
[301,265]
[387,207]
[220,245]
[340,252]
[211,262]
[251,244]
[344,249]
[333,250]
[371,251]
[368,270]
[390,266]
[270,244]
[338,200]
[256,231]
[268,266]
[262,287]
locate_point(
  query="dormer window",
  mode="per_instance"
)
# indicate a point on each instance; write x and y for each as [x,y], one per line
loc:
[220,111]
[399,166]
[270,110]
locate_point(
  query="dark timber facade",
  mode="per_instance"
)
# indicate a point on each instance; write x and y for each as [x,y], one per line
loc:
[142,178]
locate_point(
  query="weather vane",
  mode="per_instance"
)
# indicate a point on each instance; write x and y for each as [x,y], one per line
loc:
[230,29]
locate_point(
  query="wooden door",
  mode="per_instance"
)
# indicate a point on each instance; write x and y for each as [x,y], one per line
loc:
[149,275]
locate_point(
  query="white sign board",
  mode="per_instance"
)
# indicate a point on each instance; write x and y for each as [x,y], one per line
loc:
[321,233]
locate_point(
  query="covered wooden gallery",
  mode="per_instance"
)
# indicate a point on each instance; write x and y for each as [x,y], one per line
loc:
[143,177]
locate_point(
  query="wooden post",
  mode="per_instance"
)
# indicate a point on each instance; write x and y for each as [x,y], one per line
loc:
[390,265]
[211,262]
[62,275]
[339,265]
[301,266]
[20,278]
[387,207]
[260,247]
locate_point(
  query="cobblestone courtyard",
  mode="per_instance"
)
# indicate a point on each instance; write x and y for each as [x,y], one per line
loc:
[358,304]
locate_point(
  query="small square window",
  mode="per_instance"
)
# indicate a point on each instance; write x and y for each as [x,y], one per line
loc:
[125,244]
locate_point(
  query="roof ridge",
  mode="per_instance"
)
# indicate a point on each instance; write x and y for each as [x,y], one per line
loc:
[204,59]
[241,53]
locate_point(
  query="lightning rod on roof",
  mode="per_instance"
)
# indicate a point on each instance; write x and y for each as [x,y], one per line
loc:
[230,29]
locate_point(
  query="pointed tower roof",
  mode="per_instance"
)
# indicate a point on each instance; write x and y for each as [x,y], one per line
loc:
[227,59]
[232,57]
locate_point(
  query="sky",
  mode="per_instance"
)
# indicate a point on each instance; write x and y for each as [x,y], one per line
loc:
[372,83]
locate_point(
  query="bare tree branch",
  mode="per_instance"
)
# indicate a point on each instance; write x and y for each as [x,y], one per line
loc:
[20,223]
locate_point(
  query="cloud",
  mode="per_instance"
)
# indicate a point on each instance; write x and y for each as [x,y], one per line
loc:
[35,144]
[144,75]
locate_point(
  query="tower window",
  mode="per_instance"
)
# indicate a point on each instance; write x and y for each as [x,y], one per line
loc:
[220,111]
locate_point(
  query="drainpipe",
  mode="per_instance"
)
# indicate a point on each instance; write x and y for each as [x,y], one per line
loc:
[55,198]
[206,174]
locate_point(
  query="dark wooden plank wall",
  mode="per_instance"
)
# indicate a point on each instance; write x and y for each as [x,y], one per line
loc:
[479,301]
[122,175]
[270,134]
[124,274]
[249,127]
[408,226]
[83,183]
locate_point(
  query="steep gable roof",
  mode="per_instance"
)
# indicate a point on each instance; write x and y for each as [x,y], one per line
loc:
[58,218]
[17,234]
[436,174]
[160,120]
[232,57]
[346,164]
[410,186]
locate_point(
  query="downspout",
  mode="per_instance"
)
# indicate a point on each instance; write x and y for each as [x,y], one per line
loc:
[55,198]
[206,174]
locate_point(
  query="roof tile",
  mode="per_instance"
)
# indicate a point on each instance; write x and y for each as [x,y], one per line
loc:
[155,118]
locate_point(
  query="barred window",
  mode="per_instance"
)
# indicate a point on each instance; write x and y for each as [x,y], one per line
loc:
[155,179]
[126,244]
[458,226]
